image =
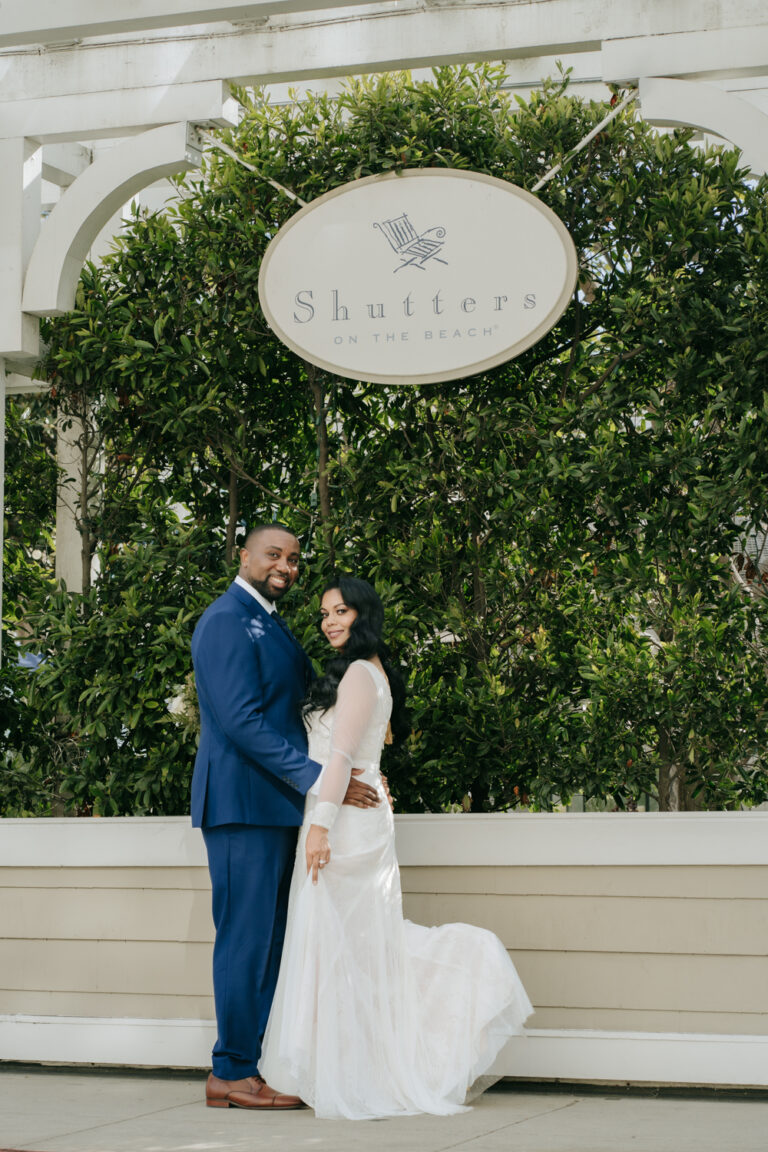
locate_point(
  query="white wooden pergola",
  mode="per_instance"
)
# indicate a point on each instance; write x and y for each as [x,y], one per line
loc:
[100,100]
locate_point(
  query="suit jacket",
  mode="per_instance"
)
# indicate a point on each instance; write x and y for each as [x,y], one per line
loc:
[252,765]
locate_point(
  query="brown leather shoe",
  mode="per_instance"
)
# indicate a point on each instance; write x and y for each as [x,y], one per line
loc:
[252,1092]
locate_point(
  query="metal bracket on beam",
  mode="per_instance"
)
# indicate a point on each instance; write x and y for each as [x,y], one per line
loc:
[250,25]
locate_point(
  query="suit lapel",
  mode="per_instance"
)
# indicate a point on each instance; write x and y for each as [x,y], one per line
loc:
[279,631]
[250,602]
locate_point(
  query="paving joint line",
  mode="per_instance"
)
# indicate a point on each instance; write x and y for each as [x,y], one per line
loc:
[171,1107]
[109,1124]
[512,1124]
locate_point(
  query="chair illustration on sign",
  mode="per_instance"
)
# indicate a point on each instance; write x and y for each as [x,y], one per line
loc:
[413,249]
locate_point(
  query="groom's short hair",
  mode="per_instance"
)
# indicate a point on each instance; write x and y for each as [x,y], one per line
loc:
[265,526]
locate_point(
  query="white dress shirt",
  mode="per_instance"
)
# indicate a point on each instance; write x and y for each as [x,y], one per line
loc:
[267,605]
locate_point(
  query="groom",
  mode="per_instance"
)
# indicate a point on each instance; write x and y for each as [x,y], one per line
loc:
[251,775]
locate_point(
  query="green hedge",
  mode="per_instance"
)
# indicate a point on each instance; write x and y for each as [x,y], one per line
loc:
[554,539]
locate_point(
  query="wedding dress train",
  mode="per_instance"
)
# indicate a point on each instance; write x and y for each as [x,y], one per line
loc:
[374,1016]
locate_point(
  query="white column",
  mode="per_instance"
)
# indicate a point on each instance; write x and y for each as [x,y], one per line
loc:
[20,196]
[20,189]
[69,565]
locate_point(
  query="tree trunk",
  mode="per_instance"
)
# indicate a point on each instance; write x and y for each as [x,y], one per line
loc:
[86,546]
[232,517]
[481,797]
[321,432]
[672,788]
[479,597]
[674,795]
[477,632]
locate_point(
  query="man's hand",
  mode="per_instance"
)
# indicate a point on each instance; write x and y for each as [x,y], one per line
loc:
[387,792]
[360,795]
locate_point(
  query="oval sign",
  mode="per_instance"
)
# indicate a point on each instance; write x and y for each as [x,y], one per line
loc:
[419,276]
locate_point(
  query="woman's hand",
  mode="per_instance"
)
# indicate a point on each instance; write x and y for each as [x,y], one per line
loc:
[318,850]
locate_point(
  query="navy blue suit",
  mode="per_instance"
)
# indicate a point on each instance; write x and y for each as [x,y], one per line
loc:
[251,775]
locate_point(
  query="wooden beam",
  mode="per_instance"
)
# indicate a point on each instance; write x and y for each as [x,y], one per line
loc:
[53,21]
[332,43]
[117,112]
[710,53]
[63,163]
[17,385]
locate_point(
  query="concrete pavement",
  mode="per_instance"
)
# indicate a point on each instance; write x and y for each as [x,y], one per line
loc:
[58,1110]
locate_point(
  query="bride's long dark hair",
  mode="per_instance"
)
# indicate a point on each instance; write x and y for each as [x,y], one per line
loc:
[364,642]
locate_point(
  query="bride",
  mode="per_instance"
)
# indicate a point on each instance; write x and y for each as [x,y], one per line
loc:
[374,1016]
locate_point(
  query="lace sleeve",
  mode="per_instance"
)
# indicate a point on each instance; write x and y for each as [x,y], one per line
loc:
[353,713]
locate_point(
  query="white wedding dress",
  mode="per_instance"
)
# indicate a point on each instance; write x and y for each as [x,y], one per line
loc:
[374,1016]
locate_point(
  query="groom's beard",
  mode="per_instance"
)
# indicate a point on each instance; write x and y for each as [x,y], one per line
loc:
[267,590]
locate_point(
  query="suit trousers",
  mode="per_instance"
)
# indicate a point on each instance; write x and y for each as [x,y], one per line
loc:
[250,867]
